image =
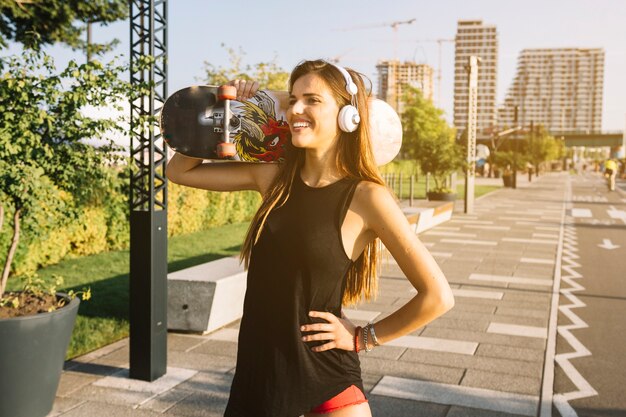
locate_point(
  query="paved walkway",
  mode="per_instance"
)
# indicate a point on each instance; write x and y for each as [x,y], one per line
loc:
[483,358]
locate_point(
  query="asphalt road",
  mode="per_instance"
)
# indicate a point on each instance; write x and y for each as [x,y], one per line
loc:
[596,234]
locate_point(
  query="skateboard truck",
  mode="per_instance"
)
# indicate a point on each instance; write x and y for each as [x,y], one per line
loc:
[226,149]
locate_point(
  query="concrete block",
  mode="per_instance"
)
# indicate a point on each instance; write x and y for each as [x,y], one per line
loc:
[206,297]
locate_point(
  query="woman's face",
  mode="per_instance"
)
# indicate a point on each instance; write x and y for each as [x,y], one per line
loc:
[312,114]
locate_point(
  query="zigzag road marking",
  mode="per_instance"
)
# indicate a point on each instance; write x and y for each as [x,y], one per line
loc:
[584,389]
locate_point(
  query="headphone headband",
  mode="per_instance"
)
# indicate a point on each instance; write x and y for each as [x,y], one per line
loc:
[351,87]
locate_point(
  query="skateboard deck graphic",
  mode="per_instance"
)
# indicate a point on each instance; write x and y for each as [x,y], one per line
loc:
[192,123]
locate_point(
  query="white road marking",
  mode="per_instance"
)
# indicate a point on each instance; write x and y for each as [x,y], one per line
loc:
[535,241]
[490,295]
[537,261]
[436,344]
[518,330]
[548,235]
[617,214]
[548,228]
[607,244]
[511,280]
[448,394]
[485,227]
[516,219]
[537,224]
[581,212]
[441,254]
[584,388]
[470,242]
[471,221]
[452,234]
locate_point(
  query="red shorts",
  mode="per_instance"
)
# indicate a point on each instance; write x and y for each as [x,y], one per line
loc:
[350,396]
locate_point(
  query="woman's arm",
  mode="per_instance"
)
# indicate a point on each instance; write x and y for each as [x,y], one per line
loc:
[434,297]
[223,176]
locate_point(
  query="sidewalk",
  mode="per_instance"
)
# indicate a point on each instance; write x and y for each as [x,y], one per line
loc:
[483,358]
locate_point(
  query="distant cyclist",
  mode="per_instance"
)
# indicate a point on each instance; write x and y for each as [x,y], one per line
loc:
[610,171]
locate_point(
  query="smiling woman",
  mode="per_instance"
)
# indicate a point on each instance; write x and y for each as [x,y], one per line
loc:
[312,248]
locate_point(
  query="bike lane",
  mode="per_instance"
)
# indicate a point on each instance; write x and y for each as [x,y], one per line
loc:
[590,375]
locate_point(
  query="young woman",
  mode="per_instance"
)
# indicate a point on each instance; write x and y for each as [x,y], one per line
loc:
[311,248]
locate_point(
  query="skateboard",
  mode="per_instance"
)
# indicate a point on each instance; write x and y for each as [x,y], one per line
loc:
[193,123]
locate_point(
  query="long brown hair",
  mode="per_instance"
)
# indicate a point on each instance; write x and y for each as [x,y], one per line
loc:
[354,160]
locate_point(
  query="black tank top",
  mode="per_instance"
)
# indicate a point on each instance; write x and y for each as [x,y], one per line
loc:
[299,264]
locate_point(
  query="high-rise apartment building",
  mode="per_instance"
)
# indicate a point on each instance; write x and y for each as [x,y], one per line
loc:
[559,88]
[475,38]
[393,76]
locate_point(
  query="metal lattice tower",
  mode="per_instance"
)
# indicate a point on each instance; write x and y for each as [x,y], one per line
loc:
[148,199]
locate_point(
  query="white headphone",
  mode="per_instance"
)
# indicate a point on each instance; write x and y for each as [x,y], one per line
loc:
[348,117]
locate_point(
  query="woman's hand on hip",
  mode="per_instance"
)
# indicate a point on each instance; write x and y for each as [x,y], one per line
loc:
[339,332]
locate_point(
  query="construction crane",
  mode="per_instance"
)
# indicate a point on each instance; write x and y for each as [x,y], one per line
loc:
[393,25]
[439,41]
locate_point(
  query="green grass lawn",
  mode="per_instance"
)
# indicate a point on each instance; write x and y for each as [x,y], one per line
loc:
[104,318]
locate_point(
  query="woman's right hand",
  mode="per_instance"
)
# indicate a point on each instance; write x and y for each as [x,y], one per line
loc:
[246,89]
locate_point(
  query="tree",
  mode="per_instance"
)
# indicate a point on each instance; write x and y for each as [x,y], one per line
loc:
[541,147]
[41,22]
[268,74]
[43,156]
[428,138]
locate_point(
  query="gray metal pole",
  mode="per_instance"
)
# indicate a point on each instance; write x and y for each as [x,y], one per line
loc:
[472,101]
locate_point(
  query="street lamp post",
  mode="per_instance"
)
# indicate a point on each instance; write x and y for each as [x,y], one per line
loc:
[472,102]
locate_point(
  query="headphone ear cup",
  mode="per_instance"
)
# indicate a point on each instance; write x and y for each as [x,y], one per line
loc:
[348,118]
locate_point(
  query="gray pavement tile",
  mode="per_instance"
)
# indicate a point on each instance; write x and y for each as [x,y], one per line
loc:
[216,347]
[454,323]
[110,395]
[482,337]
[99,409]
[387,352]
[487,284]
[518,312]
[526,296]
[212,382]
[377,366]
[63,405]
[167,400]
[369,382]
[200,404]
[510,352]
[491,364]
[534,272]
[529,287]
[456,411]
[460,304]
[397,407]
[182,342]
[521,319]
[200,361]
[502,382]
[72,381]
[119,357]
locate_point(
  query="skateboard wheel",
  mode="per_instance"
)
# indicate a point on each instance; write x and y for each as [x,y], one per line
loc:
[226,150]
[227,92]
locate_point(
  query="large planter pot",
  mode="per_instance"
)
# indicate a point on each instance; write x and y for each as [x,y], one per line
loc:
[32,353]
[507,179]
[437,196]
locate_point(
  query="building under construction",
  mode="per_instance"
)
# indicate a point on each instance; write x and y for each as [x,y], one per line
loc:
[394,76]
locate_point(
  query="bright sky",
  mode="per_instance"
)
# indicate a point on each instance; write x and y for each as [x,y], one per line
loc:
[296,30]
